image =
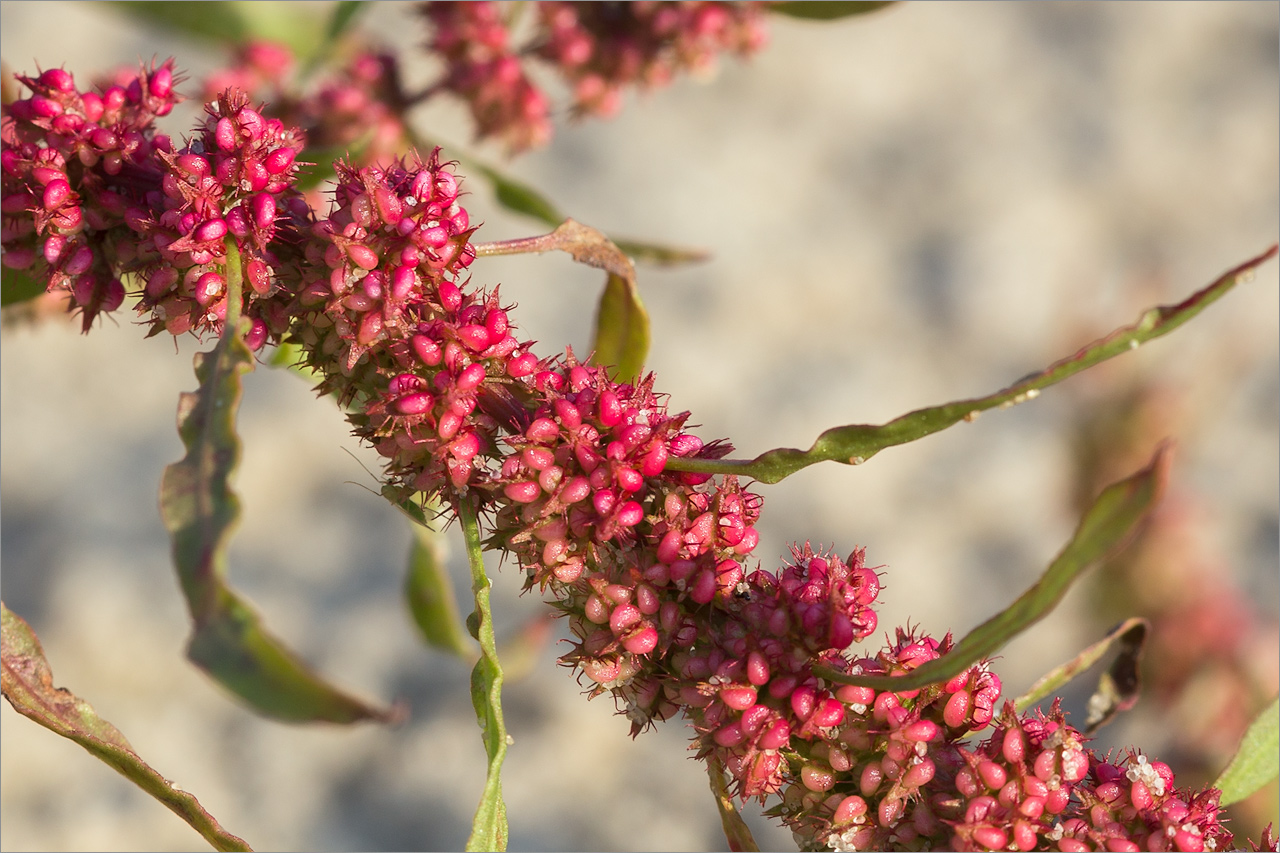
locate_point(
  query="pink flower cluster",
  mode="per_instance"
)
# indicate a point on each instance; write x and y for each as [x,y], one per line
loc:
[600,49]
[359,106]
[569,468]
[74,164]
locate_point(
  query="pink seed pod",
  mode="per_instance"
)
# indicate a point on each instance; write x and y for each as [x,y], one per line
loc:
[279,160]
[256,337]
[474,337]
[641,641]
[415,404]
[471,377]
[850,808]
[1044,765]
[160,84]
[623,617]
[817,777]
[1014,747]
[193,164]
[549,478]
[630,514]
[992,775]
[738,698]
[828,713]
[596,610]
[776,736]
[757,669]
[919,774]
[210,231]
[427,350]
[575,490]
[956,711]
[729,735]
[990,837]
[703,588]
[362,256]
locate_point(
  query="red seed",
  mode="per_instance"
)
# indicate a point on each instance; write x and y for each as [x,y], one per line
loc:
[415,404]
[522,492]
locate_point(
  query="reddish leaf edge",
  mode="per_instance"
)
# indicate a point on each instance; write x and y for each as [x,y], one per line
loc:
[28,686]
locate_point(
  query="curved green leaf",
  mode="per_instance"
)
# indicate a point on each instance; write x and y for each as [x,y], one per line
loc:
[1257,761]
[736,831]
[199,509]
[27,682]
[622,329]
[1105,527]
[856,443]
[826,10]
[489,827]
[1117,686]
[429,593]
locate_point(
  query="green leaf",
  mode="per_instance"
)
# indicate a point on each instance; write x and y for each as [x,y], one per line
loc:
[622,329]
[736,831]
[200,510]
[826,10]
[660,255]
[489,827]
[16,286]
[27,682]
[429,594]
[1106,526]
[1117,686]
[235,21]
[1257,761]
[856,443]
[518,197]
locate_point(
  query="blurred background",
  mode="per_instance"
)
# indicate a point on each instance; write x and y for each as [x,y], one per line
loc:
[915,206]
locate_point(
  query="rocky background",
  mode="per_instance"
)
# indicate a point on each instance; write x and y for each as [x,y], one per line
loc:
[912,207]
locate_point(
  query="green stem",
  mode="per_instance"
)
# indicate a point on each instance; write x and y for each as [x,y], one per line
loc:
[489,827]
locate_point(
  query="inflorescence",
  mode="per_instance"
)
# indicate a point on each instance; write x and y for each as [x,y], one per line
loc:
[566,464]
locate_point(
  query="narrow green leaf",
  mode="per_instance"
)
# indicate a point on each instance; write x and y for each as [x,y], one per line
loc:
[1105,527]
[16,286]
[27,682]
[622,329]
[1117,686]
[736,831]
[826,10]
[429,593]
[1257,761]
[200,510]
[235,21]
[659,254]
[489,827]
[856,443]
[517,196]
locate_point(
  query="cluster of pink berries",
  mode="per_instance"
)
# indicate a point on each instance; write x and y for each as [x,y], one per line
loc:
[569,468]
[482,68]
[603,48]
[74,164]
[600,49]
